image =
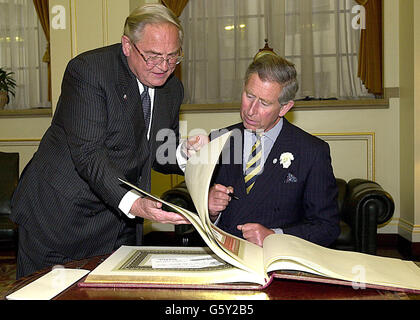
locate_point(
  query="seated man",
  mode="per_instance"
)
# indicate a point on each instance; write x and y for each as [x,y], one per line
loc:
[283,181]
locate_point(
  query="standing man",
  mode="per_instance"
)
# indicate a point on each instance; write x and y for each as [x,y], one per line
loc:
[69,203]
[284,181]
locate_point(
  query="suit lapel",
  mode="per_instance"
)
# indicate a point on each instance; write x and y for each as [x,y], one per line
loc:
[128,92]
[129,95]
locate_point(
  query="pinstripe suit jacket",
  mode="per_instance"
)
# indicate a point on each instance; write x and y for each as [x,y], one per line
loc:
[300,199]
[69,193]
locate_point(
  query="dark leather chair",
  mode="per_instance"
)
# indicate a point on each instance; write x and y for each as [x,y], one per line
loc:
[9,176]
[363,205]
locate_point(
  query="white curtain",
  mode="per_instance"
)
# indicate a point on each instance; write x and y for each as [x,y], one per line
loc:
[22,45]
[222,37]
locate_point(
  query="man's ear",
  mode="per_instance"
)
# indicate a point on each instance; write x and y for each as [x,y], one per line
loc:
[286,107]
[126,45]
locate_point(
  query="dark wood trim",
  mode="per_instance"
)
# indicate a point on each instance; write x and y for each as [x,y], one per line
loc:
[409,249]
[303,105]
[26,113]
[387,240]
[299,105]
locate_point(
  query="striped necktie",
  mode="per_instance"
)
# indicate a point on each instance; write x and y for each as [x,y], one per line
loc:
[147,105]
[253,166]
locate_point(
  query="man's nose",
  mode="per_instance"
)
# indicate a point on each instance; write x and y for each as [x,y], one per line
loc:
[253,107]
[164,65]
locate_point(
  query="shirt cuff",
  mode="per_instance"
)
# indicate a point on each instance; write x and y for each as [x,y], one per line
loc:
[278,231]
[127,202]
[218,218]
[181,157]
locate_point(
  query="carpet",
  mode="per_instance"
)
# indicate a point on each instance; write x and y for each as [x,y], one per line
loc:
[7,273]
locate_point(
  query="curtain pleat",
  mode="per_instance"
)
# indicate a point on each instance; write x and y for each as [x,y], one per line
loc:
[42,10]
[177,6]
[370,53]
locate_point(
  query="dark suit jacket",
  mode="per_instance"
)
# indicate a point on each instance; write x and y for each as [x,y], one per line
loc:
[68,195]
[301,199]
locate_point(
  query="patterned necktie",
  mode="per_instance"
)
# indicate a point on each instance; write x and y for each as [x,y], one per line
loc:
[147,105]
[253,166]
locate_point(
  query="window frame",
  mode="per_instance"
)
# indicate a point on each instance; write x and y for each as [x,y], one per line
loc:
[31,111]
[378,102]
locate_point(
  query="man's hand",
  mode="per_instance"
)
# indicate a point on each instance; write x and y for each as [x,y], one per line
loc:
[255,232]
[218,200]
[152,210]
[193,144]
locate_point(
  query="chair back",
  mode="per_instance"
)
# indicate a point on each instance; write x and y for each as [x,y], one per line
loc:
[9,176]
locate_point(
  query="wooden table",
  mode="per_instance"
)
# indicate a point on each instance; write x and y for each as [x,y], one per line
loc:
[278,290]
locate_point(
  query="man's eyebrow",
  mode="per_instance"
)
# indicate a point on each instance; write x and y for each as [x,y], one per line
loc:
[262,100]
[159,53]
[266,101]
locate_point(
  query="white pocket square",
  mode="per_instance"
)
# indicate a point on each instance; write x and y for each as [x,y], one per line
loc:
[290,178]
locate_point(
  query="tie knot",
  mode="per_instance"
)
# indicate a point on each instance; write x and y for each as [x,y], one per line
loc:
[258,135]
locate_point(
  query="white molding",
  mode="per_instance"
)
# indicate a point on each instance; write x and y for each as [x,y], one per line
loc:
[408,230]
[391,227]
[366,137]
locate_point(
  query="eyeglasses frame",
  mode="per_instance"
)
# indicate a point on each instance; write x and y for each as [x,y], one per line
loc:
[146,60]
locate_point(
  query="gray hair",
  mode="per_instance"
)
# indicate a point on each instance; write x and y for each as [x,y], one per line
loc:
[271,67]
[150,14]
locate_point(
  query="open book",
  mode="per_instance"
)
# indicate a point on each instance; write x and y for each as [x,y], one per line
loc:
[231,262]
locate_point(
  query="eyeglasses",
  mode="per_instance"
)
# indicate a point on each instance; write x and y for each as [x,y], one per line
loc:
[157,60]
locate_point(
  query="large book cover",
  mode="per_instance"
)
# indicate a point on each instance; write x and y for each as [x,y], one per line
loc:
[230,262]
[175,267]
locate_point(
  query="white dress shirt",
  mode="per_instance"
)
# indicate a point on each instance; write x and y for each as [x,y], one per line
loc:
[131,196]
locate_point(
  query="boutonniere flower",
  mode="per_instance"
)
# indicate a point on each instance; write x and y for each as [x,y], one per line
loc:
[286,159]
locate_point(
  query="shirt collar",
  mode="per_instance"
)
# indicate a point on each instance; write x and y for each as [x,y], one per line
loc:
[274,132]
[271,134]
[141,89]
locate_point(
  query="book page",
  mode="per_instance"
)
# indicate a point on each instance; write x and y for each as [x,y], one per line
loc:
[245,252]
[286,251]
[198,175]
[168,266]
[209,237]
[191,216]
